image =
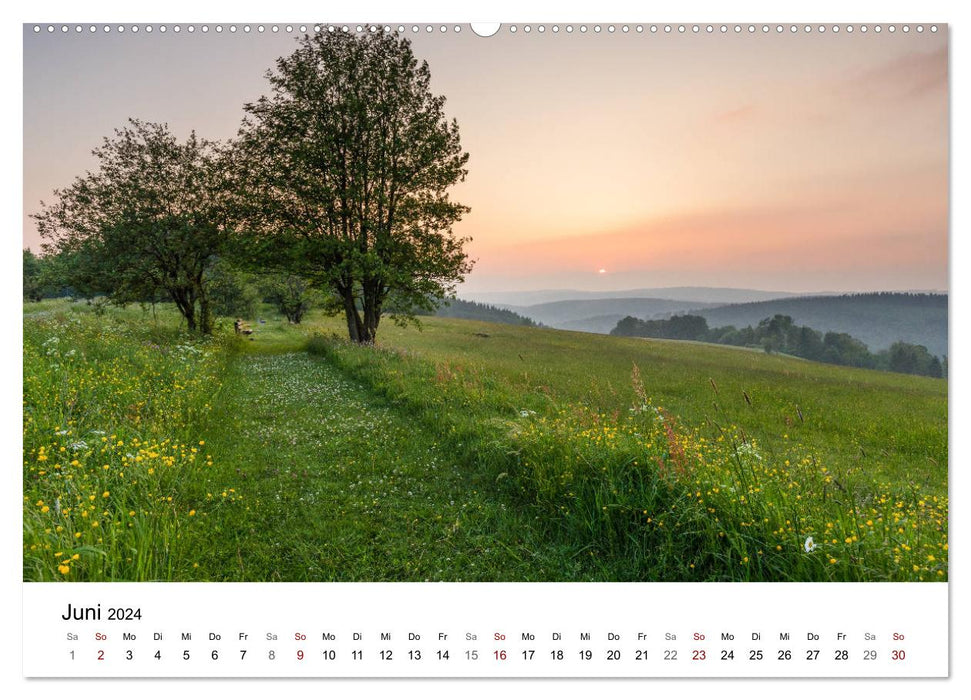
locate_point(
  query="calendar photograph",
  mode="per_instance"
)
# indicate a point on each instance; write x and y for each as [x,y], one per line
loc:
[464,303]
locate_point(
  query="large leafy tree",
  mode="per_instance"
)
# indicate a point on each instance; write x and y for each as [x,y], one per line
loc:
[148,221]
[344,177]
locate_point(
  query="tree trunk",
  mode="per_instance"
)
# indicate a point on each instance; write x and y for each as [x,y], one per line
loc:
[353,319]
[367,335]
[372,315]
[186,306]
[205,312]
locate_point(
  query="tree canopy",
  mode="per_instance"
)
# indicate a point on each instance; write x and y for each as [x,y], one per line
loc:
[344,172]
[149,220]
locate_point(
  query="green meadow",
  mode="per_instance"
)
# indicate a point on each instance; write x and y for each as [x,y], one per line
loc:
[465,451]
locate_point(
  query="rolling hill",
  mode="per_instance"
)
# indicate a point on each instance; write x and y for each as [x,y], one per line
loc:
[877,319]
[474,311]
[601,315]
[703,295]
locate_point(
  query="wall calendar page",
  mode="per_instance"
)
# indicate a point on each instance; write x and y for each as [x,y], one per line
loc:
[418,349]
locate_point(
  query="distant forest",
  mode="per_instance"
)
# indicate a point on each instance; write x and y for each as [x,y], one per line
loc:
[474,311]
[877,319]
[780,334]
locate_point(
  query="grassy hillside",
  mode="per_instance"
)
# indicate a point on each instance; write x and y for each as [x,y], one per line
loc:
[877,319]
[846,412]
[746,454]
[467,451]
[592,324]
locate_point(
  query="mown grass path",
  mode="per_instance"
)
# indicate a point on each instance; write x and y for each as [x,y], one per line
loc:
[336,485]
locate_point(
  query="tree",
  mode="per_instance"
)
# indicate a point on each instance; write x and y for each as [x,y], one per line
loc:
[150,219]
[686,327]
[290,293]
[806,342]
[844,349]
[231,291]
[76,272]
[628,325]
[914,359]
[773,333]
[344,176]
[33,275]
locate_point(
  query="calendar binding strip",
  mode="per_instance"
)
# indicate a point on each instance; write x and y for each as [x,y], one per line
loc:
[760,28]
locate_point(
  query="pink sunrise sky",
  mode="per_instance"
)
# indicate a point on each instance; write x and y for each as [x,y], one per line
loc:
[798,162]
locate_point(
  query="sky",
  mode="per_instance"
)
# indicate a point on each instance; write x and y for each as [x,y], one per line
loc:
[799,162]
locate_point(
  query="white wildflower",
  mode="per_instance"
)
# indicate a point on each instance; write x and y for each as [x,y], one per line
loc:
[746,449]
